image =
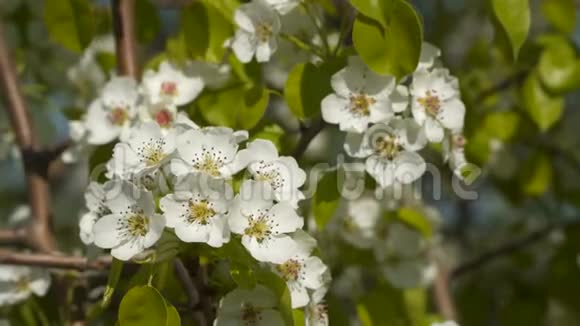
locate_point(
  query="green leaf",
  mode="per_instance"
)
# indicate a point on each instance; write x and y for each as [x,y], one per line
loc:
[299,317]
[536,175]
[173,318]
[243,275]
[70,23]
[375,9]
[307,85]
[279,287]
[383,306]
[114,275]
[394,49]
[544,109]
[416,219]
[205,30]
[223,107]
[514,17]
[561,14]
[147,21]
[142,306]
[225,7]
[98,160]
[501,125]
[326,199]
[558,67]
[271,132]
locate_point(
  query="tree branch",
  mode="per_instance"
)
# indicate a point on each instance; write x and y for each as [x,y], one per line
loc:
[125,42]
[443,297]
[307,135]
[54,261]
[40,235]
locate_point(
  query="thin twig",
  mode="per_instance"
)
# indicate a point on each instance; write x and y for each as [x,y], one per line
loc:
[442,293]
[40,235]
[125,41]
[502,85]
[185,278]
[53,261]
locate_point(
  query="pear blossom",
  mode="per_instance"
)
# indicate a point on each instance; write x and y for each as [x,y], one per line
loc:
[435,103]
[162,113]
[17,283]
[429,55]
[146,150]
[281,172]
[133,224]
[256,307]
[302,271]
[316,313]
[95,202]
[283,6]
[212,151]
[78,134]
[360,97]
[390,151]
[259,26]
[197,213]
[170,85]
[404,264]
[454,153]
[360,221]
[110,116]
[263,225]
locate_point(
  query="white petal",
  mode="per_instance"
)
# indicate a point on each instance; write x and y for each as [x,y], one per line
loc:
[433,130]
[357,145]
[275,250]
[264,51]
[106,233]
[262,150]
[334,108]
[40,281]
[400,99]
[381,170]
[86,224]
[243,19]
[126,250]
[156,226]
[120,91]
[299,296]
[452,114]
[99,127]
[409,166]
[284,218]
[244,46]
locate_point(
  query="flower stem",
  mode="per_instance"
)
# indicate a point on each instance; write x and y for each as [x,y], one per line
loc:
[301,45]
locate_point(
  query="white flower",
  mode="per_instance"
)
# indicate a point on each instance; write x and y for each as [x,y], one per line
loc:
[264,227]
[402,255]
[436,104]
[170,85]
[214,75]
[132,226]
[256,307]
[110,115]
[95,202]
[283,6]
[87,73]
[360,221]
[454,153]
[302,271]
[281,172]
[429,54]
[446,323]
[196,212]
[17,283]
[146,150]
[212,151]
[78,134]
[162,113]
[259,26]
[316,313]
[360,97]
[391,151]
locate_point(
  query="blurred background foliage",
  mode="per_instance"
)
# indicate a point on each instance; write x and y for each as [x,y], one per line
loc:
[521,125]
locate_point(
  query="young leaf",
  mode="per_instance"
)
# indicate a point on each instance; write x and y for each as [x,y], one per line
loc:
[173,318]
[417,220]
[326,199]
[544,109]
[558,67]
[561,14]
[393,50]
[114,275]
[70,23]
[536,175]
[514,17]
[242,275]
[142,306]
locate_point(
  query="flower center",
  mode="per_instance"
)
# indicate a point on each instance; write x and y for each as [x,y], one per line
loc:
[258,229]
[270,176]
[209,165]
[250,315]
[168,88]
[387,147]
[360,104]
[264,32]
[290,270]
[164,118]
[152,152]
[118,116]
[138,225]
[431,103]
[200,212]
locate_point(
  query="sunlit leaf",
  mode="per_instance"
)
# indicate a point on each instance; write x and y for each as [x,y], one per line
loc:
[514,16]
[142,306]
[70,23]
[544,109]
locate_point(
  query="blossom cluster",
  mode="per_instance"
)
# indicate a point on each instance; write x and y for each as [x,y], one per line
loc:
[18,283]
[387,123]
[167,174]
